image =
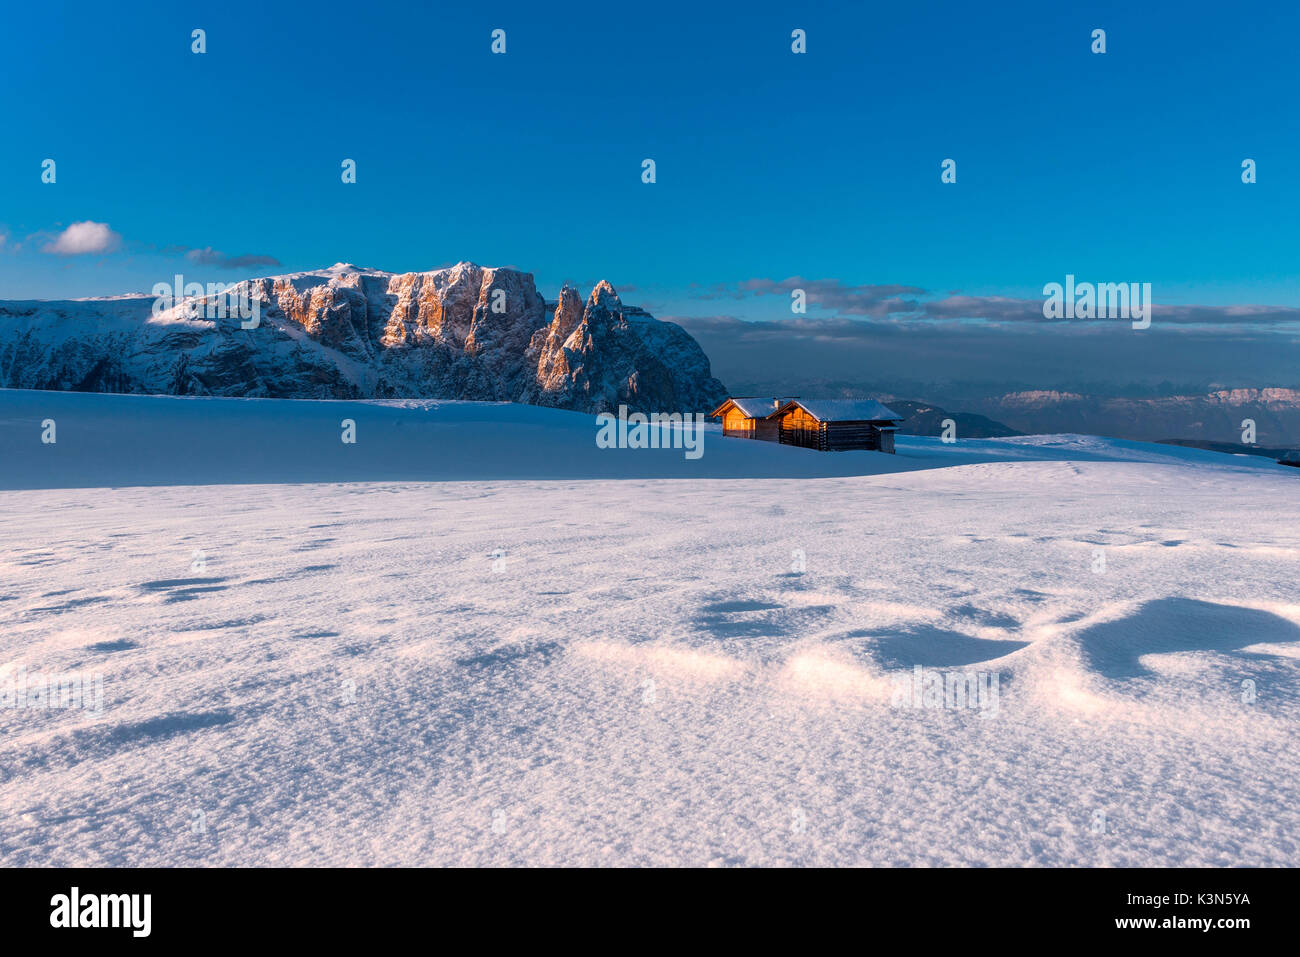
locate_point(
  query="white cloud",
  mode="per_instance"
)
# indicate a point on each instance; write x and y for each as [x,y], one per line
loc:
[82,238]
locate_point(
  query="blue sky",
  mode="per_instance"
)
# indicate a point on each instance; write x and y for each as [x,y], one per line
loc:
[825,166]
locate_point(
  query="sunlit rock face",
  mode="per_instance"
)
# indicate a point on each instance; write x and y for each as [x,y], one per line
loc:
[466,332]
[607,354]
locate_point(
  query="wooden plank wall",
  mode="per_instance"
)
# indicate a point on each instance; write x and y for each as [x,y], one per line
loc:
[851,435]
[737,425]
[801,429]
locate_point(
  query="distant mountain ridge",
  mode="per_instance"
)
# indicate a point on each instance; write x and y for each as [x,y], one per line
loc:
[1232,448]
[465,332]
[924,418]
[1215,416]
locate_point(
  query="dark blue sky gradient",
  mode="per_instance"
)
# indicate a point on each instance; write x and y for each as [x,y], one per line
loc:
[1122,167]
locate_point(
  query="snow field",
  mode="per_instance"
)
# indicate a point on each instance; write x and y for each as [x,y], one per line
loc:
[632,672]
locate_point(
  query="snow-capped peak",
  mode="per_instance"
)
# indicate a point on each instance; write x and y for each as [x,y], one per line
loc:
[346,331]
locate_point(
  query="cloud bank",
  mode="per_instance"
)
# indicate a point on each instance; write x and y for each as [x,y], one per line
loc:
[957,358]
[914,303]
[211,257]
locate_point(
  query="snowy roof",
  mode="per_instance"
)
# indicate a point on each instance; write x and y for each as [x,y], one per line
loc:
[751,407]
[846,410]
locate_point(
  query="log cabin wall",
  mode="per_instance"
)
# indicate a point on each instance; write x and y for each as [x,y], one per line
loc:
[799,428]
[851,435]
[736,423]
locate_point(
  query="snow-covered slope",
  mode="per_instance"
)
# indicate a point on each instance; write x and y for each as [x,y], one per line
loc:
[465,332]
[634,671]
[119,440]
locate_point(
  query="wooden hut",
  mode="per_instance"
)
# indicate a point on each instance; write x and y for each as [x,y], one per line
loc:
[836,425]
[748,417]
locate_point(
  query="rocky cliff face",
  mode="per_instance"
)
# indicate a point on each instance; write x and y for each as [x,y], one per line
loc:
[466,332]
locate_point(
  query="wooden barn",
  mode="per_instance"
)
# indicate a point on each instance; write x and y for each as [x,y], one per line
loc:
[836,425]
[748,417]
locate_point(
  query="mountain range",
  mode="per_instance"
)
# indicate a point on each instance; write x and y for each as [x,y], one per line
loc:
[464,332]
[1217,416]
[482,333]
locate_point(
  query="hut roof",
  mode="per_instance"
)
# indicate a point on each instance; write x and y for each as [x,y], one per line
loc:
[750,407]
[844,410]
